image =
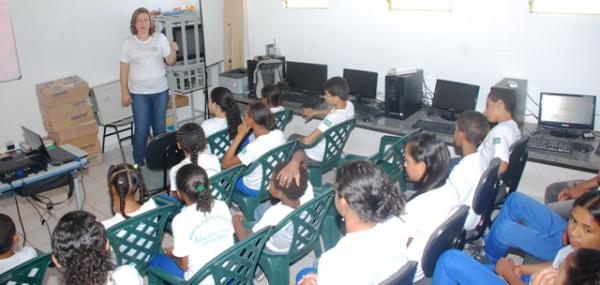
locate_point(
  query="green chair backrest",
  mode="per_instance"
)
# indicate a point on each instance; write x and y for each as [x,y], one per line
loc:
[219,143]
[137,239]
[30,272]
[282,119]
[307,221]
[236,265]
[335,140]
[223,183]
[391,151]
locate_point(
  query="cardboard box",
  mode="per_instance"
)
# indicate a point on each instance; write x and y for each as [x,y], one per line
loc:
[61,91]
[78,131]
[180,101]
[88,143]
[68,120]
[62,112]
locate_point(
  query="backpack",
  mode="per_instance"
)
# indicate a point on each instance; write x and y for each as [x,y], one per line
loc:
[268,71]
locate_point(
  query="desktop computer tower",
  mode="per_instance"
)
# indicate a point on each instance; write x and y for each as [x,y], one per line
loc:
[251,64]
[403,94]
[518,87]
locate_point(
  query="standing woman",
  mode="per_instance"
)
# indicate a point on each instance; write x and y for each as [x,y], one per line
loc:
[143,79]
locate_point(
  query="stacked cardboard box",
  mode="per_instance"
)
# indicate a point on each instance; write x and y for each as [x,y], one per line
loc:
[68,116]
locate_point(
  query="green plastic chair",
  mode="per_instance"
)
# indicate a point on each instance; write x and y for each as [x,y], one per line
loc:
[331,231]
[390,157]
[222,184]
[219,143]
[137,239]
[306,221]
[31,272]
[283,118]
[335,140]
[267,161]
[236,265]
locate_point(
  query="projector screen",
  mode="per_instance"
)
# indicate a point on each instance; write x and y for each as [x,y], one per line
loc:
[9,62]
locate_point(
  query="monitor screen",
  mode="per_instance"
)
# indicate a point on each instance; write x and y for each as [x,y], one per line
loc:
[362,83]
[190,39]
[455,97]
[567,110]
[306,77]
[32,138]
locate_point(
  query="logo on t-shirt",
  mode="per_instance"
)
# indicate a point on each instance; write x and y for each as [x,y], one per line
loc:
[243,150]
[496,140]
[327,122]
[154,49]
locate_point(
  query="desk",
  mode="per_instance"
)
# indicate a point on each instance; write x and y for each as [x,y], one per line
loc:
[589,162]
[74,167]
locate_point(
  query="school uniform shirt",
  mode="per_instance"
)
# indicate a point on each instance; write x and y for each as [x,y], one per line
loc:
[308,194]
[423,214]
[147,72]
[212,126]
[209,162]
[254,150]
[24,254]
[117,218]
[464,179]
[201,236]
[498,141]
[280,242]
[365,257]
[124,275]
[277,109]
[561,255]
[334,117]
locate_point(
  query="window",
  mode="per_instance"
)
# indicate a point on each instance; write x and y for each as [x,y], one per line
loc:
[9,62]
[321,4]
[425,5]
[565,6]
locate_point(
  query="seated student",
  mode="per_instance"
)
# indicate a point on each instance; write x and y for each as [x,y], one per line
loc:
[426,163]
[260,120]
[499,107]
[201,231]
[271,96]
[374,246]
[80,251]
[289,198]
[560,195]
[471,128]
[579,267]
[582,231]
[226,114]
[124,181]
[191,139]
[526,224]
[10,257]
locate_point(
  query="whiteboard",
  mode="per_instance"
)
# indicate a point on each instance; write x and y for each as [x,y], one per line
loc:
[212,15]
[9,62]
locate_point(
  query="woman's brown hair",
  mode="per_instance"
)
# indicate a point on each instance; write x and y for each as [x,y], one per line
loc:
[134,16]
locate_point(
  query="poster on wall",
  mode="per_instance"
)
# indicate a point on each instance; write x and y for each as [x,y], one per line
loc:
[9,61]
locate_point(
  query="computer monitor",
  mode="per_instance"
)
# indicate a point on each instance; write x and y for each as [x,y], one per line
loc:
[567,114]
[454,97]
[306,77]
[363,84]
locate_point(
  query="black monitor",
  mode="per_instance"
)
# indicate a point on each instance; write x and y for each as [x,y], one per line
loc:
[567,114]
[306,77]
[190,47]
[363,84]
[454,97]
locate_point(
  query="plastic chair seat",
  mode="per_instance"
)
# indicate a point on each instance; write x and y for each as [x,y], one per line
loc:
[283,118]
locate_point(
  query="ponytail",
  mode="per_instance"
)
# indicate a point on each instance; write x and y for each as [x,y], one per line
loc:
[192,140]
[126,180]
[224,99]
[192,181]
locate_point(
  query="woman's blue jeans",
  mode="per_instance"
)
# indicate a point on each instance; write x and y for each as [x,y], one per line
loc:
[149,110]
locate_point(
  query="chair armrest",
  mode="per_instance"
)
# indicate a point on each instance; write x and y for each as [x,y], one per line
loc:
[323,189]
[157,273]
[384,142]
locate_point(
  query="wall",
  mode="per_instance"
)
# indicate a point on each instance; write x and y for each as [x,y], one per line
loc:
[60,38]
[478,42]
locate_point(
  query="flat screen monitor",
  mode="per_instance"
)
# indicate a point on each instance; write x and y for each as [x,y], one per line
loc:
[567,111]
[454,97]
[363,84]
[306,77]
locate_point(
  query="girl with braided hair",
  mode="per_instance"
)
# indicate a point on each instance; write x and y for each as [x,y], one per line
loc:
[192,140]
[202,230]
[124,181]
[80,251]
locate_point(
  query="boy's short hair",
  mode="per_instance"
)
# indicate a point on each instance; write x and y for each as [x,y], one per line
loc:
[292,191]
[474,125]
[7,232]
[506,96]
[337,86]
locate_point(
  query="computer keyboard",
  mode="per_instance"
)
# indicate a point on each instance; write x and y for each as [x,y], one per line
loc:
[307,100]
[550,145]
[435,127]
[367,111]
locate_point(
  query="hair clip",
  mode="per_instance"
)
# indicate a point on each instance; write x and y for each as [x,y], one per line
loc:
[201,188]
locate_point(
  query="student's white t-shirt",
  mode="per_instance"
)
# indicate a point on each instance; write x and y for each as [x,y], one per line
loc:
[308,194]
[365,257]
[277,109]
[561,255]
[279,242]
[423,214]
[24,254]
[254,150]
[147,72]
[498,141]
[209,162]
[334,117]
[124,275]
[464,179]
[117,218]
[201,236]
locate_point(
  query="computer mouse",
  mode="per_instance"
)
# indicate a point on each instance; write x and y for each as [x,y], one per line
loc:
[582,147]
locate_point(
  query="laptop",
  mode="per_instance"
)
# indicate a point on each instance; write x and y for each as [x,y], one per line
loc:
[55,156]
